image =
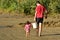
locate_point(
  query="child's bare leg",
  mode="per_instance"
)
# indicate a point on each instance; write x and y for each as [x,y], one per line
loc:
[27,34]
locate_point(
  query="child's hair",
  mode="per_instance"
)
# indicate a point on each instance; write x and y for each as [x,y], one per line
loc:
[27,22]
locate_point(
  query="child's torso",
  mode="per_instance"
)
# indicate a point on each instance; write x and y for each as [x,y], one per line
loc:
[27,26]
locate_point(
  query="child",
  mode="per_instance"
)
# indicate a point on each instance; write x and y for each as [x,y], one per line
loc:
[27,28]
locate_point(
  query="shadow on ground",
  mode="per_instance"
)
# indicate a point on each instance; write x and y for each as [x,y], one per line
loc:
[6,26]
[58,34]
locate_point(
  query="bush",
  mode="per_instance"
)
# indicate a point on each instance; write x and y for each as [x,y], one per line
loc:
[28,6]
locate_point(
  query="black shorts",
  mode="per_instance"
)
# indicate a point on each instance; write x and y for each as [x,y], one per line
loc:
[39,20]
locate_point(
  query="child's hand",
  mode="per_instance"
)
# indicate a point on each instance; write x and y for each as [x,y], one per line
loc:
[24,28]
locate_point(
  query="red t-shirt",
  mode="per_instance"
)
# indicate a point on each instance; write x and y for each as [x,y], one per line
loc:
[40,9]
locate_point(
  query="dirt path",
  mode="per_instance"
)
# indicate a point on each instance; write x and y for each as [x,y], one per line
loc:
[17,33]
[11,30]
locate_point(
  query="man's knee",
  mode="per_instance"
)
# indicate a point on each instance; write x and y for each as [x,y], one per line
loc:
[40,24]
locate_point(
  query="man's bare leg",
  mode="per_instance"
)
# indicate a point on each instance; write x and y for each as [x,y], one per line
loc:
[37,31]
[40,29]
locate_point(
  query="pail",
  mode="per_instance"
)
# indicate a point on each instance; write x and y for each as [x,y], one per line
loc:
[34,25]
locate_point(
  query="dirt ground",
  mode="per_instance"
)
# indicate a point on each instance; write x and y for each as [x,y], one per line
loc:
[11,28]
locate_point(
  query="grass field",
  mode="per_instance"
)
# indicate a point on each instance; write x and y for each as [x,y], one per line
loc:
[11,30]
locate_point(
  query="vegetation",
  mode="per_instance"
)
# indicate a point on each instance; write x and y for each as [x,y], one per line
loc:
[28,6]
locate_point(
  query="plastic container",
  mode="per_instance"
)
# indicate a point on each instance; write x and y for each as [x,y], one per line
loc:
[34,25]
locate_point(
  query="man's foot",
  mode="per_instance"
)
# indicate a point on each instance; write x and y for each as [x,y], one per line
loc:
[40,35]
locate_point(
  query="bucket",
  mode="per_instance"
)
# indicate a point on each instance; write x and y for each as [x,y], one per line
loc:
[34,25]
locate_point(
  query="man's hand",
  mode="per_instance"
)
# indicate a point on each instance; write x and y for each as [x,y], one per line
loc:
[46,11]
[46,17]
[46,14]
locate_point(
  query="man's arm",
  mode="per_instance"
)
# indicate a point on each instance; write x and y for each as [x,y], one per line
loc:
[35,16]
[46,14]
[45,10]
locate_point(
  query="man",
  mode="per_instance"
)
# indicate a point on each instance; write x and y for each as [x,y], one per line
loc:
[40,9]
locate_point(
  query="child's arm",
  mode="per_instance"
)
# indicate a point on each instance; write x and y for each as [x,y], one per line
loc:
[25,27]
